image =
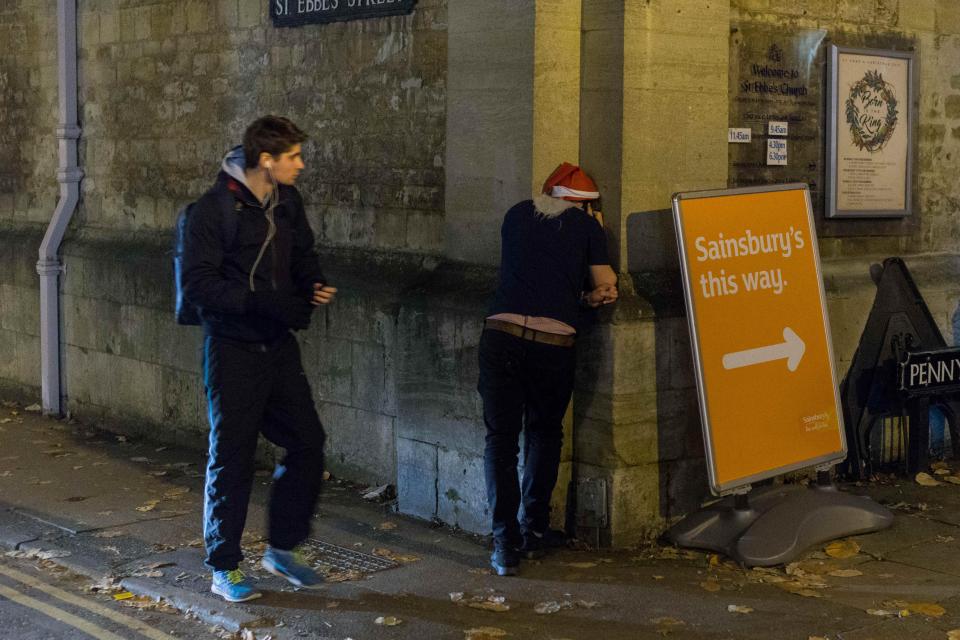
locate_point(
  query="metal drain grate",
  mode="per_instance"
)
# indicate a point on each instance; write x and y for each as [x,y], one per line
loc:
[343,559]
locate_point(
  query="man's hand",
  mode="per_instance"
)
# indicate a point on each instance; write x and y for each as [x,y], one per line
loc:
[596,214]
[603,294]
[322,294]
[292,311]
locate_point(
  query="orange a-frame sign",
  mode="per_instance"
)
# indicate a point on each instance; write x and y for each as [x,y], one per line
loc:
[759,332]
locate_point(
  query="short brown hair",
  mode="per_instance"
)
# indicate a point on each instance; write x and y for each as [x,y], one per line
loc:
[270,134]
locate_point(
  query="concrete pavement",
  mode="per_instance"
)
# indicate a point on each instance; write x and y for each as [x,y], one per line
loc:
[111,507]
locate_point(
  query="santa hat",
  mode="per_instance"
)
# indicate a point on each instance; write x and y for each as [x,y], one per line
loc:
[569,182]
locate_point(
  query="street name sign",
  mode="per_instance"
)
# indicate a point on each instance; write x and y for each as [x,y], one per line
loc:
[759,332]
[296,13]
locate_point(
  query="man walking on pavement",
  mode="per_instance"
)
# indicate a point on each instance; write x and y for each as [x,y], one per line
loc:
[553,261]
[252,291]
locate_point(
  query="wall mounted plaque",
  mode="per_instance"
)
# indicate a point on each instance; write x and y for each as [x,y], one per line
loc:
[296,13]
[870,118]
[776,76]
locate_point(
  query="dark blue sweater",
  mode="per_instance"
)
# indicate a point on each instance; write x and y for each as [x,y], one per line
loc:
[545,262]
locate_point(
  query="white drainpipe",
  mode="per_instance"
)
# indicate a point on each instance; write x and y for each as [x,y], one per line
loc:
[68,175]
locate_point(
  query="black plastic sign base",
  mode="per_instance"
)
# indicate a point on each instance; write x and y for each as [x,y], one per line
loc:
[296,13]
[778,524]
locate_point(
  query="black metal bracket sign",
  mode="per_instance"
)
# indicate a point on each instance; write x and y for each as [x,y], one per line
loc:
[296,13]
[901,368]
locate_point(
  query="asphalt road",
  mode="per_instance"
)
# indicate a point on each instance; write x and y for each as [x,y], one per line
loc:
[40,601]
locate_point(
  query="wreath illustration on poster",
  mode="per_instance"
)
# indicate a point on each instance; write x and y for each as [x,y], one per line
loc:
[871,111]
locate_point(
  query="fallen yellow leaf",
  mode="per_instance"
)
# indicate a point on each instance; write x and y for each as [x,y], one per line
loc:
[736,608]
[925,609]
[842,549]
[388,621]
[483,633]
[666,625]
[925,479]
[953,634]
[710,585]
[845,573]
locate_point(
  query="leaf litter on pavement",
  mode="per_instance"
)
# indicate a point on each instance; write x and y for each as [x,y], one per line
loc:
[484,633]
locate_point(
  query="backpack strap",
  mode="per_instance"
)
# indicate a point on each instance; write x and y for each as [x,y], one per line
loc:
[229,220]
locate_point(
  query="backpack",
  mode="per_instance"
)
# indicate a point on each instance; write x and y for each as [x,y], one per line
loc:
[185,312]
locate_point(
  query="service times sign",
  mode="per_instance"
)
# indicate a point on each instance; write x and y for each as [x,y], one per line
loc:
[759,332]
[294,13]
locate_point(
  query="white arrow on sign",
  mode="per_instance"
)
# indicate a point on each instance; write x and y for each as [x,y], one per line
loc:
[791,348]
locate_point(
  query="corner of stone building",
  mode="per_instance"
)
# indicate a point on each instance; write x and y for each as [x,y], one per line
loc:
[636,416]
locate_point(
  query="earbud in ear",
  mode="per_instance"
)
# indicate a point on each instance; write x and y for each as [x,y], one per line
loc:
[268,164]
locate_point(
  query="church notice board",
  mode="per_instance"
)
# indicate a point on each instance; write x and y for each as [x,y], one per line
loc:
[759,332]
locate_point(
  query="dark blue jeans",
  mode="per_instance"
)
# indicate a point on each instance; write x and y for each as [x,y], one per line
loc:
[253,389]
[525,386]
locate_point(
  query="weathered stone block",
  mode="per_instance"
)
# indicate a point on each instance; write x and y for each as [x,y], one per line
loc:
[372,378]
[181,405]
[7,362]
[19,309]
[109,28]
[334,381]
[416,478]
[90,323]
[615,444]
[360,444]
[918,15]
[461,491]
[360,318]
[251,13]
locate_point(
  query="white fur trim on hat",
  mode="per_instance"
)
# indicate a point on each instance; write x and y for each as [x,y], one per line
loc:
[550,207]
[567,192]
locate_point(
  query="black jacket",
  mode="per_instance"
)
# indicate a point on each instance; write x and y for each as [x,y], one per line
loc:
[216,277]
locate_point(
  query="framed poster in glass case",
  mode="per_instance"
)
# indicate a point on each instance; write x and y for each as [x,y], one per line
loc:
[871,115]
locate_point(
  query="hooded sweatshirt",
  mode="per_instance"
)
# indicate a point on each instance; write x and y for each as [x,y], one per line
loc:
[217,278]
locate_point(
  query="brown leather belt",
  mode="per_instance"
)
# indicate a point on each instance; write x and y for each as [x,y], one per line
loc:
[527,333]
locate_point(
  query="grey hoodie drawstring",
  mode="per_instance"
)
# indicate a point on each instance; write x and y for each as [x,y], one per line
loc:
[271,232]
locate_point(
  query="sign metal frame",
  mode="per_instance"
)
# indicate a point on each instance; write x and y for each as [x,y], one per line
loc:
[829,458]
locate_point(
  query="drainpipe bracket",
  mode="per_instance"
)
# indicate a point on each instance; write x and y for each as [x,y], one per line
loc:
[73,174]
[68,132]
[48,267]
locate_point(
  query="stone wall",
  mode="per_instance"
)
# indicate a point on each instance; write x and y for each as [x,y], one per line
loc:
[166,87]
[421,134]
[932,28]
[28,188]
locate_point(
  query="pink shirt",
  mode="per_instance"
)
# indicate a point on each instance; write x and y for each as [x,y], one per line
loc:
[537,323]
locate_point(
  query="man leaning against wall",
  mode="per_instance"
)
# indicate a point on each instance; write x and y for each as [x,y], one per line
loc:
[553,263]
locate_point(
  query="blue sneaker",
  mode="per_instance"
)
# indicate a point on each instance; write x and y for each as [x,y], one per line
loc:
[291,566]
[233,586]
